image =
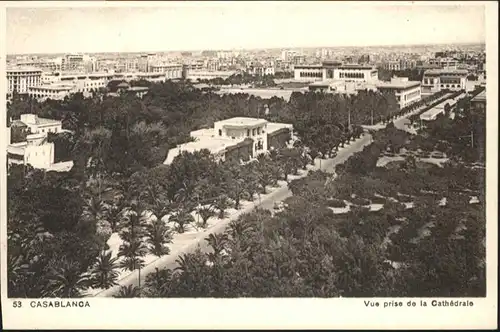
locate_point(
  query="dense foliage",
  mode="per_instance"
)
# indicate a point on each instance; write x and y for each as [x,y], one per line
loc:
[59,223]
[422,249]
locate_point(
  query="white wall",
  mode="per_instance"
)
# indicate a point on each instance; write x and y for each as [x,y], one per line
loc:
[39,156]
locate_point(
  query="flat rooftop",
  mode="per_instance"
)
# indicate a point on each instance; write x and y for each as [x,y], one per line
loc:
[431,113]
[328,82]
[446,71]
[356,66]
[213,144]
[275,126]
[242,121]
[53,87]
[23,69]
[397,84]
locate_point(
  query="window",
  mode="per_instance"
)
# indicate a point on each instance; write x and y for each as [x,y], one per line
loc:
[253,132]
[220,132]
[258,131]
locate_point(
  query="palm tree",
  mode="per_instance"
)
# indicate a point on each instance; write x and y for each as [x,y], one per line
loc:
[129,291]
[104,274]
[94,209]
[158,283]
[160,208]
[239,229]
[236,189]
[222,203]
[67,281]
[133,225]
[182,218]
[158,235]
[132,253]
[218,243]
[205,212]
[114,214]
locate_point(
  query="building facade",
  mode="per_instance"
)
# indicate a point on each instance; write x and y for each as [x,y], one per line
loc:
[73,62]
[171,71]
[406,92]
[197,75]
[308,73]
[356,73]
[41,125]
[19,79]
[435,80]
[448,63]
[334,70]
[35,152]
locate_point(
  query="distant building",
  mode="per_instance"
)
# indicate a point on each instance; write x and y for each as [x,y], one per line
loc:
[406,92]
[448,63]
[435,80]
[197,75]
[261,70]
[124,87]
[337,71]
[171,70]
[19,79]
[398,65]
[356,73]
[72,62]
[236,138]
[53,65]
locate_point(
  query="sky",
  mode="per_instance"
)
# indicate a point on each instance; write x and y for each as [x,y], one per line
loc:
[221,26]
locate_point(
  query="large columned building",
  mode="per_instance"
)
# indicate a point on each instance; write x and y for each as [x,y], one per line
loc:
[435,80]
[335,70]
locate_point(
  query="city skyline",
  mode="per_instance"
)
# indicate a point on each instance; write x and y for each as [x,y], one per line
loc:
[53,30]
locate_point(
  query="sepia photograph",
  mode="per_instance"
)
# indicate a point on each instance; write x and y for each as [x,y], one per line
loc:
[248,150]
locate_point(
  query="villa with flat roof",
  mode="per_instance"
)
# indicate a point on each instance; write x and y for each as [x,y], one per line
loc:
[406,92]
[239,138]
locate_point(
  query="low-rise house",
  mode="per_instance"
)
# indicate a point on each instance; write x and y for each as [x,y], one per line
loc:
[236,138]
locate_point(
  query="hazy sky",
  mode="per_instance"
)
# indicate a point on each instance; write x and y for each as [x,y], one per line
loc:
[238,25]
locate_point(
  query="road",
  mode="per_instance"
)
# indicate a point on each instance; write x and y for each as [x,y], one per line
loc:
[267,203]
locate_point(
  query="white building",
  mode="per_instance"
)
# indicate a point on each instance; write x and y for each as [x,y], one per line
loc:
[73,62]
[50,65]
[196,75]
[171,70]
[334,70]
[435,80]
[35,152]
[308,73]
[407,92]
[288,55]
[230,133]
[19,79]
[356,73]
[41,125]
[445,63]
[261,70]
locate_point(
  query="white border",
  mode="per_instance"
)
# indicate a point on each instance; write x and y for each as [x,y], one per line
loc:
[267,313]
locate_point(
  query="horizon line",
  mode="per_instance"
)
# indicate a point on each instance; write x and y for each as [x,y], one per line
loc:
[262,48]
